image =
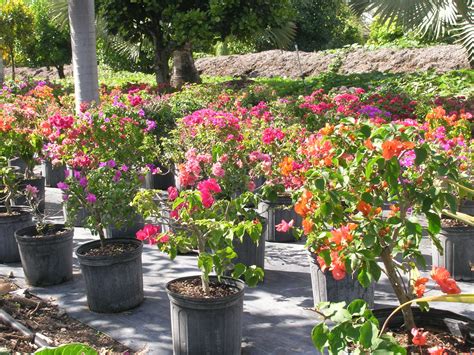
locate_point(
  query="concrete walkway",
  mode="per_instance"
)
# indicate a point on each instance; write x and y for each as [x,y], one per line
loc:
[276,315]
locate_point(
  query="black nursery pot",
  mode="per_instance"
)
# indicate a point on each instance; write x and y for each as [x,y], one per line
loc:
[434,319]
[9,252]
[53,175]
[250,253]
[207,326]
[113,283]
[458,252]
[46,260]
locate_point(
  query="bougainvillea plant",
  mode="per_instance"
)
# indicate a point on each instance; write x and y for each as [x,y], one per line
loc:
[103,193]
[197,219]
[365,186]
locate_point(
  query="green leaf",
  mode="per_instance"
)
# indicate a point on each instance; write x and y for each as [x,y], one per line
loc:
[421,155]
[239,270]
[319,335]
[434,223]
[368,334]
[357,307]
[375,270]
[320,184]
[69,349]
[364,278]
[205,263]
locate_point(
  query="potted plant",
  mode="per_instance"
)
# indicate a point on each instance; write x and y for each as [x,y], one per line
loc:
[206,310]
[11,218]
[112,268]
[45,248]
[355,169]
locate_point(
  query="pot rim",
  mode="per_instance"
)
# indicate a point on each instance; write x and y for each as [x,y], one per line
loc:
[23,212]
[69,233]
[239,284]
[88,259]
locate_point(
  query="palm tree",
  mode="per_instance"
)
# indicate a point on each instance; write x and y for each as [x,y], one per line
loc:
[433,18]
[84,56]
[2,72]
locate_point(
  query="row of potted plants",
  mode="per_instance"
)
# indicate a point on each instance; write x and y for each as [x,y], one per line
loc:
[343,158]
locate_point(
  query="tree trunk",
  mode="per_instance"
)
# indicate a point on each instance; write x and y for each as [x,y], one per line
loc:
[60,69]
[84,56]
[12,58]
[2,70]
[184,70]
[161,60]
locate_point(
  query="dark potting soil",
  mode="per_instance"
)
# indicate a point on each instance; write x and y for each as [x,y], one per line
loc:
[111,249]
[57,233]
[451,343]
[193,288]
[451,222]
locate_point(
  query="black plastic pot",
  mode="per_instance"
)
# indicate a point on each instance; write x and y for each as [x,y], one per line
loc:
[53,175]
[328,289]
[250,253]
[434,319]
[113,283]
[38,182]
[80,220]
[274,212]
[46,260]
[467,207]
[207,326]
[8,225]
[18,163]
[458,255]
[159,181]
[127,231]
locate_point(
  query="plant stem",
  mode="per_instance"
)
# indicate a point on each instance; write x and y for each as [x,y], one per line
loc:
[397,286]
[202,249]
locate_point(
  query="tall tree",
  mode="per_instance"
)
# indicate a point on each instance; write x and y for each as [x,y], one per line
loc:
[84,56]
[16,25]
[175,27]
[2,72]
[52,43]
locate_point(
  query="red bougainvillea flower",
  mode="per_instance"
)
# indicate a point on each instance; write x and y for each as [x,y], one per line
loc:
[205,188]
[307,226]
[338,269]
[420,286]
[444,280]
[284,226]
[437,350]
[343,234]
[419,338]
[172,193]
[364,207]
[149,233]
[394,147]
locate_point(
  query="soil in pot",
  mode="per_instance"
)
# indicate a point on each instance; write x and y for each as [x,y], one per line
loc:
[113,275]
[457,240]
[206,324]
[9,252]
[452,331]
[46,257]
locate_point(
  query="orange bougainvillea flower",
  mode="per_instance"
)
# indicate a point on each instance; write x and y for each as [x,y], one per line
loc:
[419,337]
[307,226]
[368,144]
[444,281]
[420,286]
[364,207]
[304,205]
[393,148]
[393,210]
[5,123]
[327,130]
[286,166]
[343,234]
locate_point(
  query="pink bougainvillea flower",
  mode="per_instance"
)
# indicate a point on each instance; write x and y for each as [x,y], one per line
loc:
[205,188]
[32,191]
[419,337]
[217,170]
[148,233]
[445,282]
[62,186]
[91,198]
[251,186]
[284,226]
[172,193]
[164,238]
[437,350]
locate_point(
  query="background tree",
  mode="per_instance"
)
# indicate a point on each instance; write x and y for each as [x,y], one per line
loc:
[324,24]
[16,26]
[176,27]
[51,46]
[84,54]
[435,18]
[2,72]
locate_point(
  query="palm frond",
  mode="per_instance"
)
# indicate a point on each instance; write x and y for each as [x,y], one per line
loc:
[59,12]
[282,36]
